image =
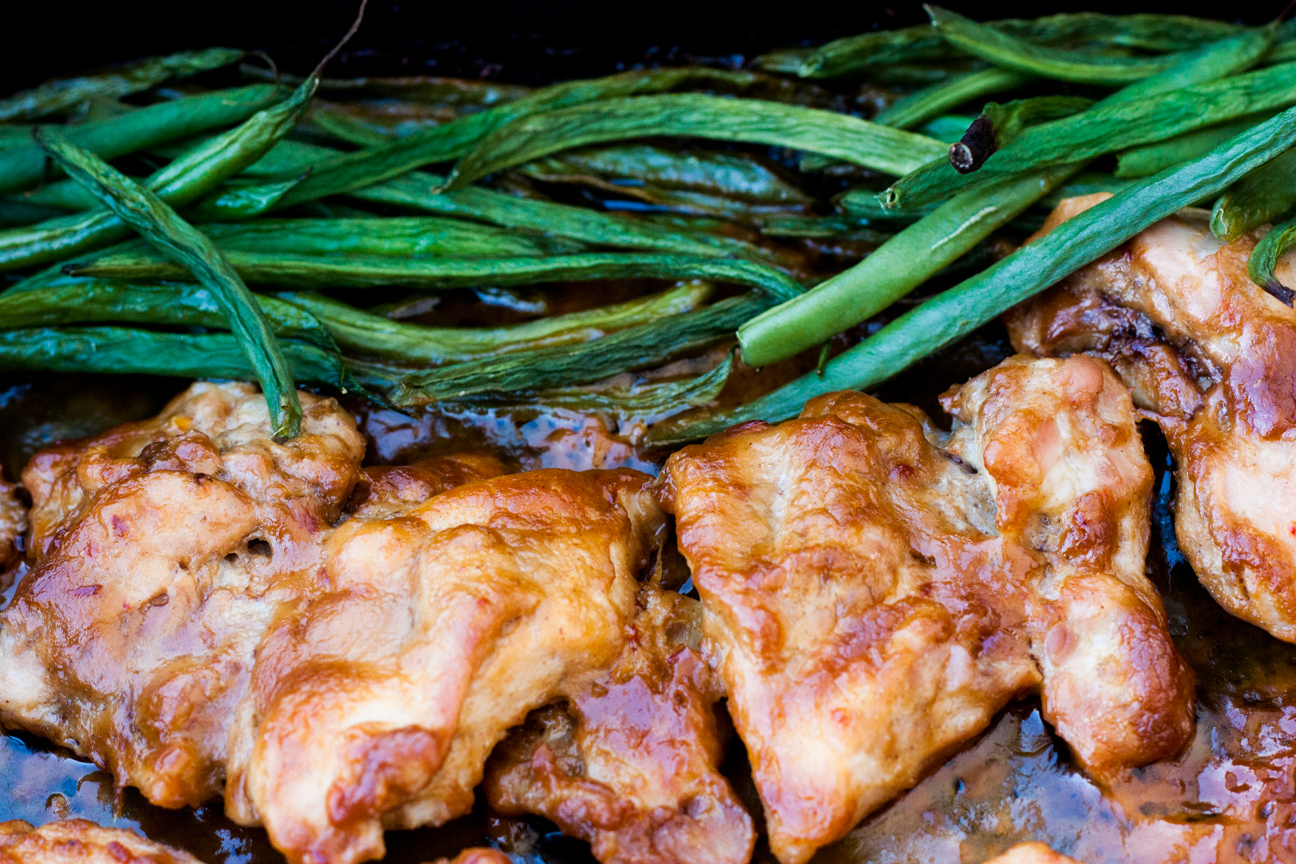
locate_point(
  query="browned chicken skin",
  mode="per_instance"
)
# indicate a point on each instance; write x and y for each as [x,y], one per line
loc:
[1212,358]
[76,841]
[874,592]
[631,763]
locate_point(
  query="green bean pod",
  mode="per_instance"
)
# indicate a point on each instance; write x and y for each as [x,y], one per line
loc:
[955,313]
[24,166]
[148,214]
[317,271]
[931,102]
[62,95]
[893,269]
[642,347]
[1149,159]
[1261,196]
[1263,263]
[999,125]
[881,148]
[376,336]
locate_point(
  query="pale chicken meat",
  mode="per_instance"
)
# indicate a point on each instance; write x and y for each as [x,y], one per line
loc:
[76,841]
[377,704]
[1031,853]
[875,591]
[1211,357]
[631,762]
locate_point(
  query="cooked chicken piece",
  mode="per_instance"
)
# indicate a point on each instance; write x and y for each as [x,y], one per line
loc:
[1031,853]
[393,490]
[76,841]
[631,762]
[162,550]
[13,522]
[376,705]
[483,856]
[874,591]
[1212,358]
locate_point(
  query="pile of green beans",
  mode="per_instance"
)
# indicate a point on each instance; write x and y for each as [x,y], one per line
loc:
[259,232]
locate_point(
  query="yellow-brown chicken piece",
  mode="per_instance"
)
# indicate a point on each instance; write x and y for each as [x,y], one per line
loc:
[376,705]
[76,841]
[875,592]
[1212,357]
[631,762]
[162,550]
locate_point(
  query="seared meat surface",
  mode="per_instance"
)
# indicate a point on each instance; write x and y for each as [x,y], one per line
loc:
[874,591]
[630,763]
[76,841]
[1212,358]
[376,705]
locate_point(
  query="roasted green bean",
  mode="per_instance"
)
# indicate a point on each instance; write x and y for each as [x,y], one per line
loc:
[931,102]
[1261,196]
[1263,263]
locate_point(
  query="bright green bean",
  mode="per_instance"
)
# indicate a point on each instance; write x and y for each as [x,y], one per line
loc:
[1142,161]
[24,166]
[953,314]
[317,271]
[63,95]
[376,336]
[892,270]
[1261,196]
[881,148]
[148,214]
[1263,263]
[931,102]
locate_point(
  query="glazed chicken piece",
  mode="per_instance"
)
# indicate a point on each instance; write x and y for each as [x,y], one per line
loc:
[874,591]
[377,704]
[481,856]
[13,523]
[1212,358]
[162,550]
[630,763]
[1031,853]
[393,490]
[76,841]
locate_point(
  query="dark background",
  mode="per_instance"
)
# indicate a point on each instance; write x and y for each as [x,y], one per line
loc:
[505,40]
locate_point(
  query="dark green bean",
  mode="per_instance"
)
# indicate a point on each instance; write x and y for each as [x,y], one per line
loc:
[76,300]
[148,214]
[231,202]
[24,166]
[451,92]
[179,183]
[640,347]
[931,102]
[1261,196]
[316,271]
[955,313]
[1263,263]
[62,95]
[881,148]
[376,336]
[1149,159]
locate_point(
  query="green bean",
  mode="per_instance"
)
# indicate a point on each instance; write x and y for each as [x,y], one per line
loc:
[892,270]
[75,300]
[377,336]
[24,166]
[783,61]
[61,194]
[725,182]
[999,125]
[955,313]
[416,190]
[232,202]
[1010,52]
[864,204]
[818,226]
[1151,158]
[316,271]
[1263,263]
[443,143]
[948,128]
[453,92]
[148,214]
[877,50]
[931,102]
[1088,183]
[640,347]
[1261,196]
[1108,128]
[405,236]
[648,402]
[179,183]
[14,213]
[62,95]
[125,350]
[880,148]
